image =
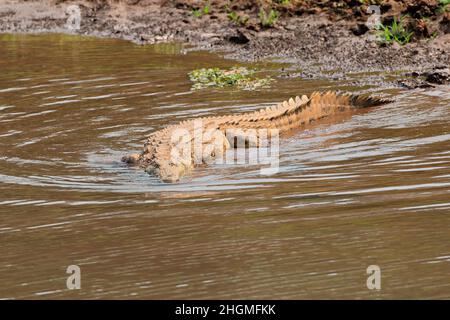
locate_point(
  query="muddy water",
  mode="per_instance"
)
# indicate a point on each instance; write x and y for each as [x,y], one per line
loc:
[371,189]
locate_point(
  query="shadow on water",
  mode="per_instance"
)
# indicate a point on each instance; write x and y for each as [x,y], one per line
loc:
[372,188]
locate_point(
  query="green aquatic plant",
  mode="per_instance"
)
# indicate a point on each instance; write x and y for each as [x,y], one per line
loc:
[207,9]
[434,35]
[236,18]
[283,2]
[196,13]
[443,6]
[239,77]
[396,32]
[233,16]
[199,12]
[268,19]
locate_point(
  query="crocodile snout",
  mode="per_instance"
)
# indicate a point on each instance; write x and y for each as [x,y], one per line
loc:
[132,158]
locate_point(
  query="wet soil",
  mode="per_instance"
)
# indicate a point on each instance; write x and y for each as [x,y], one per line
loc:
[325,40]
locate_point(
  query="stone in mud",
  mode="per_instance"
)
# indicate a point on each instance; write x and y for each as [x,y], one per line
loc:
[422,8]
[395,46]
[422,28]
[359,29]
[438,77]
[414,84]
[444,25]
[239,38]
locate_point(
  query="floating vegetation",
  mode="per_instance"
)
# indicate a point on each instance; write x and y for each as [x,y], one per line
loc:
[239,77]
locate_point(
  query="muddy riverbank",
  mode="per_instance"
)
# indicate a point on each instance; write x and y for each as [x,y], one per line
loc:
[325,40]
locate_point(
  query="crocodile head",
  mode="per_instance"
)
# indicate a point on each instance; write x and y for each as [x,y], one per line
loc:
[132,159]
[177,159]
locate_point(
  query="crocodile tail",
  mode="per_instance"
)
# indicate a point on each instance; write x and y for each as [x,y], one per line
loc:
[366,101]
[346,101]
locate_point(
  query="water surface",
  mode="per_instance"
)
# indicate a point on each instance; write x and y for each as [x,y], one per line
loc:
[371,189]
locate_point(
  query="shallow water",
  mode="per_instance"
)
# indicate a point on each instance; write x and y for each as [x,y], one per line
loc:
[371,189]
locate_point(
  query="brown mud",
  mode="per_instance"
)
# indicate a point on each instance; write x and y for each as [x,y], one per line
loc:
[322,40]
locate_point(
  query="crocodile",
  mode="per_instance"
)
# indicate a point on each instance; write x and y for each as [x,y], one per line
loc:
[170,153]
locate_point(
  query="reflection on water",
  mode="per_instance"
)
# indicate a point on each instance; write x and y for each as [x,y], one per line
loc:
[373,188]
